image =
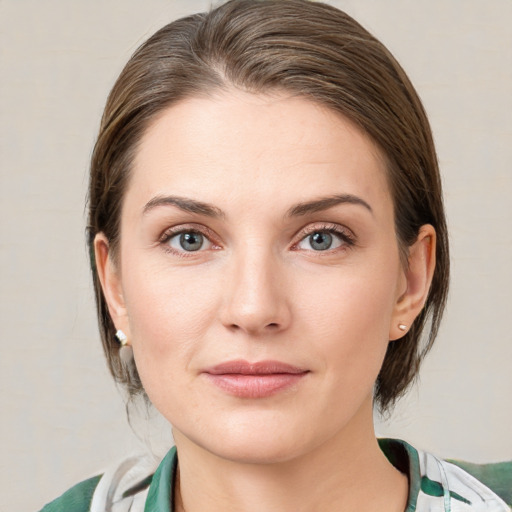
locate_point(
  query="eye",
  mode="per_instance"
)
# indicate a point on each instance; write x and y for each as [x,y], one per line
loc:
[188,241]
[320,241]
[324,239]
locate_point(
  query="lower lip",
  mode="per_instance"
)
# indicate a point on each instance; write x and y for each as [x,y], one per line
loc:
[254,386]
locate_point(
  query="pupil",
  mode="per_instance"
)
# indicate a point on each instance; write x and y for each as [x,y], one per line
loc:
[191,241]
[321,241]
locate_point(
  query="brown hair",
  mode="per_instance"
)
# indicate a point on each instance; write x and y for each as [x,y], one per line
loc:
[306,48]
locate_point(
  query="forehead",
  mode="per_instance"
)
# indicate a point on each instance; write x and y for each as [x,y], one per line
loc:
[237,145]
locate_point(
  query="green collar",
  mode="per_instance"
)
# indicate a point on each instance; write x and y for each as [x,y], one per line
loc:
[405,458]
[160,497]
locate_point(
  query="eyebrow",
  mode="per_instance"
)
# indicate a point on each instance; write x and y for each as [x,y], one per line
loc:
[325,203]
[198,207]
[185,204]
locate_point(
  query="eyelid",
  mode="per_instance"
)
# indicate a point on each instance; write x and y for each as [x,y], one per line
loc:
[188,228]
[339,230]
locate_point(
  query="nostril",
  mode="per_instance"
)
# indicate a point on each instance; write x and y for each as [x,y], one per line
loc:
[272,326]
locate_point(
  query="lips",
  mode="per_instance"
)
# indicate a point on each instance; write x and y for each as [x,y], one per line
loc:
[254,380]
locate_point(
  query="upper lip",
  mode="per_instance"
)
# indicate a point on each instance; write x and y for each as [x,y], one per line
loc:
[242,367]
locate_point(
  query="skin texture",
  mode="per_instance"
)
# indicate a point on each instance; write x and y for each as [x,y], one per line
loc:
[258,290]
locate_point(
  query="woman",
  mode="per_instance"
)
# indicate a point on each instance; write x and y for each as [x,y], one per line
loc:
[268,247]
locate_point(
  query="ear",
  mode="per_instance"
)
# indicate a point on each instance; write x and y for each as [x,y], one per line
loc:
[110,279]
[418,277]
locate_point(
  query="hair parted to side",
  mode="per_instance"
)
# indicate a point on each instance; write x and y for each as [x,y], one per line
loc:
[305,48]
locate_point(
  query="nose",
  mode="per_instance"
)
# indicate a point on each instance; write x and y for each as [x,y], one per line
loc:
[256,295]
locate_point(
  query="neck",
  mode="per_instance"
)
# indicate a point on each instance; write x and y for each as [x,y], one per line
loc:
[348,472]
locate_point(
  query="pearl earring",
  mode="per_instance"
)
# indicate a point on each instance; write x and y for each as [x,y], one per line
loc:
[402,327]
[121,336]
[126,355]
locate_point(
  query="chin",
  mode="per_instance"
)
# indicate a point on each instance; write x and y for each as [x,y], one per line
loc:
[256,442]
[259,451]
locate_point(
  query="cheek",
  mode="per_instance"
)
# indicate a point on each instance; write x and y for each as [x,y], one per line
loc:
[351,299]
[350,322]
[169,312]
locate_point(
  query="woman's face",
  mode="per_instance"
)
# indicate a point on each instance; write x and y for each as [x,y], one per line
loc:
[259,278]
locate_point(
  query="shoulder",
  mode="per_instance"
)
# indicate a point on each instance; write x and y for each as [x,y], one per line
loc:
[440,485]
[451,482]
[497,476]
[492,482]
[76,499]
[446,482]
[130,485]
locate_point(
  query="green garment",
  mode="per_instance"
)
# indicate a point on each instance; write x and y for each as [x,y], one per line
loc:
[434,485]
[76,499]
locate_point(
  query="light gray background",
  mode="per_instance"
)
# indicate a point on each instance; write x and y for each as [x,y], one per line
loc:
[62,418]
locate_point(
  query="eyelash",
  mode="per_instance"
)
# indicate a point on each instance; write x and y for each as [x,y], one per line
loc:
[344,234]
[191,228]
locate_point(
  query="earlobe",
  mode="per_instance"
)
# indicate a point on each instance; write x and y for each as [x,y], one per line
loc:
[110,279]
[418,276]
